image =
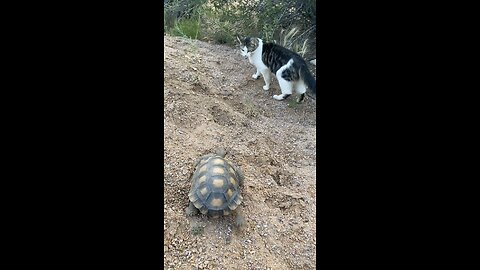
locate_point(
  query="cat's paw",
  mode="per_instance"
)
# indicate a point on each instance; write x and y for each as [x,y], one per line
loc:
[278,97]
[266,87]
[255,76]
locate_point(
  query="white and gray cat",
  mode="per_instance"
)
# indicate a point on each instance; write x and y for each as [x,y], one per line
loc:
[290,68]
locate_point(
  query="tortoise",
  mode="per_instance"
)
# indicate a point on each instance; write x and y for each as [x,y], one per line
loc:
[215,187]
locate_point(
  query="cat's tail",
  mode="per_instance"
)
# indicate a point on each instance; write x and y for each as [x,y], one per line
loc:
[308,79]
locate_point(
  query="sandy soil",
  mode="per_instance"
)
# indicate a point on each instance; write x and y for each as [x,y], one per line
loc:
[211,100]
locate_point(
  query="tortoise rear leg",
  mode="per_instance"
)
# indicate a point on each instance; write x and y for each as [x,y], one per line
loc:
[191,210]
[240,219]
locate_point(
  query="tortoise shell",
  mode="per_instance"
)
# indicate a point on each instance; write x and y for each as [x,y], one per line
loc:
[215,186]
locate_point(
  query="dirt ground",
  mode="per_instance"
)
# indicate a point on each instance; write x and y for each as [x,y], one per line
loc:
[211,100]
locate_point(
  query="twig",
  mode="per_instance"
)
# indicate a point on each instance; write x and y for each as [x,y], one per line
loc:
[308,30]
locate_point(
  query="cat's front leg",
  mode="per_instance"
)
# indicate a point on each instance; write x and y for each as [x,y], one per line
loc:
[256,75]
[267,79]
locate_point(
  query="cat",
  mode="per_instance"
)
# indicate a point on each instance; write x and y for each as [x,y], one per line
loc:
[290,68]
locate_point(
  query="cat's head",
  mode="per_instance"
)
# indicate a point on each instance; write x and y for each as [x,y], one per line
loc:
[248,45]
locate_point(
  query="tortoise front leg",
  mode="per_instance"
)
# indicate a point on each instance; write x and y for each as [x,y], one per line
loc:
[191,210]
[241,177]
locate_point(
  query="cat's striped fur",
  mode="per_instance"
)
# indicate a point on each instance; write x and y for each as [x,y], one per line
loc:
[290,68]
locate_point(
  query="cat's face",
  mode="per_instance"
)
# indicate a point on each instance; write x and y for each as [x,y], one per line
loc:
[247,46]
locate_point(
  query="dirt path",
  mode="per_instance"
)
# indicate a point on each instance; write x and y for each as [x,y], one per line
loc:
[211,100]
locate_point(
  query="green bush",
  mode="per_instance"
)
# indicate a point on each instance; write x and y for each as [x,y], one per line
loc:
[222,20]
[223,37]
[186,28]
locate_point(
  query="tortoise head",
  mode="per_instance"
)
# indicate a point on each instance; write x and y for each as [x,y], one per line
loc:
[222,152]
